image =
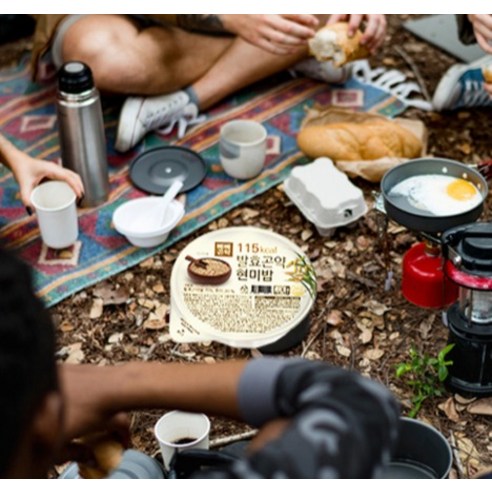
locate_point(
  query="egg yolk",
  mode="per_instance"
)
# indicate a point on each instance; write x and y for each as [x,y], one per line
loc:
[461,189]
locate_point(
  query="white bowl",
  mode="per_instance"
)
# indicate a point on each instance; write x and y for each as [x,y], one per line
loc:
[138,221]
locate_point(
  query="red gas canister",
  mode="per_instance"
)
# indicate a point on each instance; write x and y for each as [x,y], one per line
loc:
[423,281]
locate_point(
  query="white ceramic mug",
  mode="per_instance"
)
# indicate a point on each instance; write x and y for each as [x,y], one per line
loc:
[243,145]
[56,211]
[178,430]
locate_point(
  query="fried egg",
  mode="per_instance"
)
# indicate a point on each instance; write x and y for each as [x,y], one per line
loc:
[439,195]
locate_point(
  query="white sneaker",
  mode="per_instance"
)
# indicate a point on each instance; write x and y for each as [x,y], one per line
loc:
[462,87]
[324,71]
[141,115]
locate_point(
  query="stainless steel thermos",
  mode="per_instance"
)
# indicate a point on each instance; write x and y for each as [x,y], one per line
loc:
[81,130]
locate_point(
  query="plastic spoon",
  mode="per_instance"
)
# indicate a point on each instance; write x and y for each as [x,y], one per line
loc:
[167,198]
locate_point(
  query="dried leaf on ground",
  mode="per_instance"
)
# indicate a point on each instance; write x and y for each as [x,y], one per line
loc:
[66,327]
[366,336]
[481,407]
[425,326]
[449,408]
[154,324]
[373,354]
[249,213]
[96,308]
[468,452]
[343,350]
[75,354]
[110,294]
[376,307]
[334,317]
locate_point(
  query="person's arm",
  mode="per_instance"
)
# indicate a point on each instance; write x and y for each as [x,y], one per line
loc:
[279,34]
[311,404]
[95,394]
[29,172]
[374,30]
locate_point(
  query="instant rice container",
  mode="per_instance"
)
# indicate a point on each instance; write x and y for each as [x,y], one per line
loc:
[325,195]
[265,303]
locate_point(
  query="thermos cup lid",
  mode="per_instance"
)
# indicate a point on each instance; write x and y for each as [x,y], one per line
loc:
[75,77]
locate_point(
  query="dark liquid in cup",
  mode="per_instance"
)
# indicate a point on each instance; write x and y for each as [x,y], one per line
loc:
[184,440]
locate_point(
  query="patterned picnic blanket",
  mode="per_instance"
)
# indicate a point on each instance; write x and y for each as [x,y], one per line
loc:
[27,118]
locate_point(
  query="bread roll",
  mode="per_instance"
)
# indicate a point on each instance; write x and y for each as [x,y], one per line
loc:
[345,135]
[107,452]
[487,74]
[332,43]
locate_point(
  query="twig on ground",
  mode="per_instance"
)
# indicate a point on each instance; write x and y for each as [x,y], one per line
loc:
[415,71]
[456,454]
[320,330]
[188,357]
[222,441]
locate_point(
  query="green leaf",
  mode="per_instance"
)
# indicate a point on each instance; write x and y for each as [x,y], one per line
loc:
[443,373]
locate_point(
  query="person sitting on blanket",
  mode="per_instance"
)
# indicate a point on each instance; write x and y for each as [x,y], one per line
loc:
[316,420]
[29,172]
[468,85]
[173,66]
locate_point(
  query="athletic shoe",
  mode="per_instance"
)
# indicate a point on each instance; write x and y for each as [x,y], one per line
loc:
[324,71]
[141,115]
[462,87]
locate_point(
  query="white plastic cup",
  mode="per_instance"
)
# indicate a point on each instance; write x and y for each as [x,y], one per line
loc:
[174,427]
[243,146]
[56,211]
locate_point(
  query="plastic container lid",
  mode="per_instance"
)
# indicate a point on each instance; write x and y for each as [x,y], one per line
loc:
[270,292]
[325,195]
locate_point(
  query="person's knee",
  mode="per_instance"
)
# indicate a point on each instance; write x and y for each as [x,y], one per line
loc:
[100,47]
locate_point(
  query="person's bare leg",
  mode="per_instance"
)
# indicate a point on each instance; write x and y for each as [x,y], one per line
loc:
[160,60]
[241,65]
[126,60]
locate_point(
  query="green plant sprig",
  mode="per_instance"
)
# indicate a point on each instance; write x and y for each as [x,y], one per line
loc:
[425,375]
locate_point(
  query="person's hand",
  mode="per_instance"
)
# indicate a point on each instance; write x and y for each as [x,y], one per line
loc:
[280,34]
[373,32]
[488,88]
[30,172]
[482,27]
[89,410]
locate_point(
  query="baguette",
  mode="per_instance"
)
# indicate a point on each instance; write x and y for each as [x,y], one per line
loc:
[332,43]
[343,135]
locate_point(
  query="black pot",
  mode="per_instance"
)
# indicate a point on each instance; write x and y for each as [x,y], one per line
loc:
[421,220]
[422,452]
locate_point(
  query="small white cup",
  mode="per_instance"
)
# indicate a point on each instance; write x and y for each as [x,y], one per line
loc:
[243,145]
[56,210]
[176,426]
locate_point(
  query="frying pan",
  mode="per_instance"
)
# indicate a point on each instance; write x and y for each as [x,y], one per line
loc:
[415,219]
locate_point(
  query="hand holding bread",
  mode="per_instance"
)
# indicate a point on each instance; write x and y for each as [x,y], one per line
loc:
[487,75]
[107,454]
[373,27]
[333,43]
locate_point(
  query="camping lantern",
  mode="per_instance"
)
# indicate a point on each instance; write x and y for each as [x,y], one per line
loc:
[468,254]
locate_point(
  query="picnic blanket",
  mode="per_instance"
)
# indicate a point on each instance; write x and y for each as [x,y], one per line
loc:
[28,119]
